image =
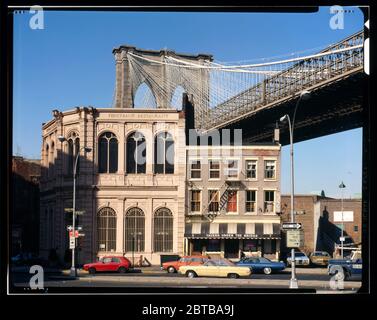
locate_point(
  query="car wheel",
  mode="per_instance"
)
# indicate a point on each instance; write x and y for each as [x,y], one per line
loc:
[267,270]
[171,270]
[233,275]
[190,274]
[122,270]
[92,270]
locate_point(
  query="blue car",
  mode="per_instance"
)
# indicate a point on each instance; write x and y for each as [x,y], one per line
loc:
[261,265]
[347,269]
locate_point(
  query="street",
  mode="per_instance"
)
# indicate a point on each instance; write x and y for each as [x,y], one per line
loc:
[308,278]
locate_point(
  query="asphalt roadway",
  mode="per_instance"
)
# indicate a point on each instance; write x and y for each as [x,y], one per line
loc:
[309,278]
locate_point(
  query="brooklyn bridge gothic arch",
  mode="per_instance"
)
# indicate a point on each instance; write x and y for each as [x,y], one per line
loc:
[137,66]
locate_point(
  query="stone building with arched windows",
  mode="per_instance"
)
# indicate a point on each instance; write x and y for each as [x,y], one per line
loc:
[130,187]
[140,188]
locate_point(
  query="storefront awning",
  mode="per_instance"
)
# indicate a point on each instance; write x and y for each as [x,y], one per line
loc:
[232,231]
[231,236]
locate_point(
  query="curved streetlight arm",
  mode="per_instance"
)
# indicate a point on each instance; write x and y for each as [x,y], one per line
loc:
[76,160]
[294,115]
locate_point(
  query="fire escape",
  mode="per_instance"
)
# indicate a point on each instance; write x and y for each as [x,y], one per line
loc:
[212,210]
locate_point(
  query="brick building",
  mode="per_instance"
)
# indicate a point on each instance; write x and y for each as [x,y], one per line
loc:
[24,219]
[321,221]
[240,185]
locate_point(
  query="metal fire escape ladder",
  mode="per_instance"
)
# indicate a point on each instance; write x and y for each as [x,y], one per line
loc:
[226,186]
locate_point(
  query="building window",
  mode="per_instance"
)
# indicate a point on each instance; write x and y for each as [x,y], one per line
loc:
[250,200]
[106,224]
[204,228]
[214,169]
[269,201]
[241,227]
[232,169]
[251,169]
[232,201]
[134,230]
[52,160]
[164,153]
[136,153]
[270,169]
[163,230]
[195,200]
[276,228]
[259,229]
[223,228]
[46,160]
[355,228]
[214,198]
[195,169]
[108,153]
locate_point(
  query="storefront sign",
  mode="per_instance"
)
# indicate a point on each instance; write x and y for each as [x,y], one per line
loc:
[230,236]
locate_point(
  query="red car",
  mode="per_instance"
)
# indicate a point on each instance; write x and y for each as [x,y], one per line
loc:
[173,266]
[119,264]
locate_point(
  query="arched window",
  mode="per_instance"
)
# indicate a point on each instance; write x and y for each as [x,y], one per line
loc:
[46,160]
[106,226]
[134,230]
[163,230]
[136,153]
[108,153]
[144,97]
[176,99]
[164,153]
[73,150]
[52,159]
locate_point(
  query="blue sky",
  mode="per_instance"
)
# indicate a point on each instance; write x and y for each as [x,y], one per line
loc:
[69,63]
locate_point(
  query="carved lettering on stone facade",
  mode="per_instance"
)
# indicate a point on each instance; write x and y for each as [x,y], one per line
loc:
[114,127]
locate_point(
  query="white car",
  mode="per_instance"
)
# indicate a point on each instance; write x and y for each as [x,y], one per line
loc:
[300,258]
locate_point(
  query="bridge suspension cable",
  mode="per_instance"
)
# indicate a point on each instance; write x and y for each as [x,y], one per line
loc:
[223,91]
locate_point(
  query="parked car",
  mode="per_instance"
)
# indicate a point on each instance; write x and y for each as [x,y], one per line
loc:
[320,258]
[113,263]
[173,266]
[215,268]
[261,265]
[301,259]
[346,269]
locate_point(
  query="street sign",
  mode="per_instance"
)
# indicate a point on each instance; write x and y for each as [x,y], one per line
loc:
[76,234]
[81,234]
[78,212]
[342,239]
[291,226]
[295,238]
[72,242]
[69,228]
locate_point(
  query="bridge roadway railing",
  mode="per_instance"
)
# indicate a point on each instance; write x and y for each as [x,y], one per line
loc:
[308,73]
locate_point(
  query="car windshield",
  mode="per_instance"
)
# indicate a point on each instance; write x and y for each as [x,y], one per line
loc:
[264,260]
[299,254]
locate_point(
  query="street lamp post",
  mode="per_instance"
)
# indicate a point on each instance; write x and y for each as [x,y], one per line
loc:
[73,271]
[293,284]
[342,186]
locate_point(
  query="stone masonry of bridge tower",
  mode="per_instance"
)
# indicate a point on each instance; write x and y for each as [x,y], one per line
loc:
[127,81]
